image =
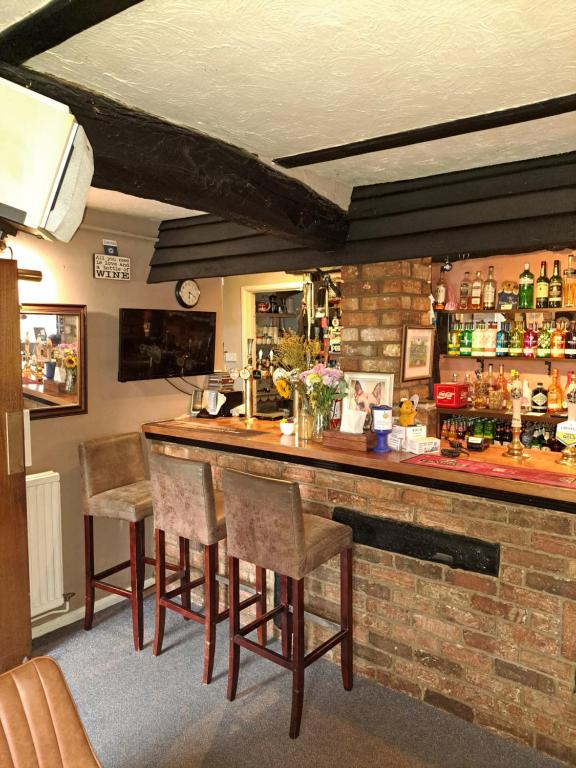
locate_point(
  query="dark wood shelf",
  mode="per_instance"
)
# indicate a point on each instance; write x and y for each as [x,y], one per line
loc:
[276,314]
[501,311]
[504,415]
[511,357]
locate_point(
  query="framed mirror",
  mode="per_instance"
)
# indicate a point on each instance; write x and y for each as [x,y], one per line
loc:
[53,358]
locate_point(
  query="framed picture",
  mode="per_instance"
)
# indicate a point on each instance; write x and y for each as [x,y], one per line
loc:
[366,389]
[417,352]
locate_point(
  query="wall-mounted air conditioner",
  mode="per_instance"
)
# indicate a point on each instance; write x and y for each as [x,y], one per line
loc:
[46,164]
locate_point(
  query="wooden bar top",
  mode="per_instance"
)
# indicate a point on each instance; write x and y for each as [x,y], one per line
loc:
[263,439]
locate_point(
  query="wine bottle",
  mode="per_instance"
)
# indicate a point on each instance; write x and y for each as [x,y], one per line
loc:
[542,288]
[476,292]
[555,287]
[526,289]
[489,291]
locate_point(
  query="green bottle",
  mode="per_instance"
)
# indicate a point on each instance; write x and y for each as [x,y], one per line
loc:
[526,289]
[543,346]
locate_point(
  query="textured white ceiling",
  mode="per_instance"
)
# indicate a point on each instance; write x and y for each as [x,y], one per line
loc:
[279,77]
[107,200]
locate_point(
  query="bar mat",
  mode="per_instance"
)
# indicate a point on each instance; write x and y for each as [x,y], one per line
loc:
[493,470]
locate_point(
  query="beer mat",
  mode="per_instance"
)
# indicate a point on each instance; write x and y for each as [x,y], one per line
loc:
[525,474]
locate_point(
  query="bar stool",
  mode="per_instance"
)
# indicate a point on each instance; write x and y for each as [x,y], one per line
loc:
[115,485]
[266,526]
[187,506]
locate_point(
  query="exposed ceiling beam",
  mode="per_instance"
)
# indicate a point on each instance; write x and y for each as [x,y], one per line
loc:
[142,155]
[54,23]
[512,116]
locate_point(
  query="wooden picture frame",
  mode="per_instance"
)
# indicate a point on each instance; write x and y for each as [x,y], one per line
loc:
[417,352]
[366,389]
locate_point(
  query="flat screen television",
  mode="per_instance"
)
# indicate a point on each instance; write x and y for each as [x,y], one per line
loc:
[165,343]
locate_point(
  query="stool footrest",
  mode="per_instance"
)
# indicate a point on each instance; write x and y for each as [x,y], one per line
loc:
[243,631]
[261,650]
[325,647]
[184,588]
[111,588]
[112,570]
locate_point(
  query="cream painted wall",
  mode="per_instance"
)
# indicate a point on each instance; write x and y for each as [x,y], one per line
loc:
[113,407]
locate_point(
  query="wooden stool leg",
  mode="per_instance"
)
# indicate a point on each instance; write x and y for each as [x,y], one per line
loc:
[210,608]
[261,604]
[160,617]
[286,616]
[185,568]
[137,582]
[346,619]
[234,600]
[89,570]
[298,657]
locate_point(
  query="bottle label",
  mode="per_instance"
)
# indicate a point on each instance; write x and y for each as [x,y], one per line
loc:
[528,351]
[525,280]
[542,291]
[501,351]
[440,294]
[543,352]
[539,399]
[555,291]
[515,351]
[489,294]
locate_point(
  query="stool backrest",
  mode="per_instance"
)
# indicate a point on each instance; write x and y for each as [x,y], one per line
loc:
[264,521]
[39,722]
[111,462]
[183,498]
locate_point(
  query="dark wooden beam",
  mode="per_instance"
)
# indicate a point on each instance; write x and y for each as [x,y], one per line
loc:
[143,155]
[512,116]
[54,23]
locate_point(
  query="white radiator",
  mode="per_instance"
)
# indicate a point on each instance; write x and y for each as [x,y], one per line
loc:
[44,541]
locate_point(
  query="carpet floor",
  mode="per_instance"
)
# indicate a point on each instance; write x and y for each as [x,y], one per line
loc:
[146,712]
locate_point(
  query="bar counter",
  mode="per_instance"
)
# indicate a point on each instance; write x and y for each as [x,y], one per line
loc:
[262,439]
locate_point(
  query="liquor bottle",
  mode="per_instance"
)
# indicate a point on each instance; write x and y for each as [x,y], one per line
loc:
[526,397]
[501,380]
[555,394]
[466,341]
[516,341]
[476,292]
[465,288]
[470,396]
[570,388]
[570,342]
[569,289]
[490,334]
[444,432]
[526,289]
[503,340]
[543,347]
[530,342]
[440,292]
[489,291]
[490,377]
[454,340]
[557,341]
[478,340]
[539,399]
[542,288]
[555,289]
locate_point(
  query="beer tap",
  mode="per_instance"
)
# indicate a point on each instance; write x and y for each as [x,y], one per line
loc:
[247,374]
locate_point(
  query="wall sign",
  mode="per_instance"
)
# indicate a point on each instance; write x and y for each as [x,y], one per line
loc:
[111,267]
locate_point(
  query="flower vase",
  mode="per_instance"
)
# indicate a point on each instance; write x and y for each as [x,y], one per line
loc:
[70,385]
[320,423]
[305,423]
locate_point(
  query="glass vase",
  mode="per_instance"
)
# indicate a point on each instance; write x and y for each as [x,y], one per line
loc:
[320,423]
[70,385]
[305,423]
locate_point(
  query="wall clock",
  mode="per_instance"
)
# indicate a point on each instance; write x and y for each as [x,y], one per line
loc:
[187,293]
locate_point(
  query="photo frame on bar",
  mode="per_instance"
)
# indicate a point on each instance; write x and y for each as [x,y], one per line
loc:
[417,352]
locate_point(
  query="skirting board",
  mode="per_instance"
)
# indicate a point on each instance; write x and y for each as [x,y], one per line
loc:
[78,614]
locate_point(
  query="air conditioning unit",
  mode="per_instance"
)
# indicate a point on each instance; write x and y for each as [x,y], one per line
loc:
[46,164]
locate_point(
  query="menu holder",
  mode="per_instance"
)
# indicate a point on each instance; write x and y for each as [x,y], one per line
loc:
[347,441]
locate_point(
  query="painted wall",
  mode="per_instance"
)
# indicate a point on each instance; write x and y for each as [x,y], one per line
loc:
[113,407]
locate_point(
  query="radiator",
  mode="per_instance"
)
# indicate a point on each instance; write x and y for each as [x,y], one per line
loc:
[44,541]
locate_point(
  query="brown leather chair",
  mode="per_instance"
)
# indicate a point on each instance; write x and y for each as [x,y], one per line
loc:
[266,526]
[115,485]
[39,722]
[187,506]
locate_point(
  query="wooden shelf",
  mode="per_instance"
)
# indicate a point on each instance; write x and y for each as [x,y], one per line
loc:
[502,311]
[511,357]
[504,415]
[276,314]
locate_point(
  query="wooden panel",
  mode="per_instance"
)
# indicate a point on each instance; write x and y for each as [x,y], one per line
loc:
[531,205]
[15,629]
[165,254]
[456,192]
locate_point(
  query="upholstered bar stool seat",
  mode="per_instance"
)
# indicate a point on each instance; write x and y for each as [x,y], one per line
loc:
[267,526]
[115,485]
[187,506]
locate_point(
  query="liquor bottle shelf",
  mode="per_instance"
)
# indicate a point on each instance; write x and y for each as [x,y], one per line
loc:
[510,357]
[504,415]
[275,314]
[503,311]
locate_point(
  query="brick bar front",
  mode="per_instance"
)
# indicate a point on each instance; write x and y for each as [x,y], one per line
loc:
[497,651]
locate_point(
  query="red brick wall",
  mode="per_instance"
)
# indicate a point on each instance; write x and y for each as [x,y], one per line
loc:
[500,652]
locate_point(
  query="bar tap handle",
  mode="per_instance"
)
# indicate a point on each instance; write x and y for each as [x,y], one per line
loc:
[249,362]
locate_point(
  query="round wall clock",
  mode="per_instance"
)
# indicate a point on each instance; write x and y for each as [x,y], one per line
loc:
[187,293]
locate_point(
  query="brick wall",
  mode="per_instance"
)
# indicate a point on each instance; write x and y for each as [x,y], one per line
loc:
[497,651]
[377,301]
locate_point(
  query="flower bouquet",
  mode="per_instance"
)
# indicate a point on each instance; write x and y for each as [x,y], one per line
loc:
[322,388]
[66,356]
